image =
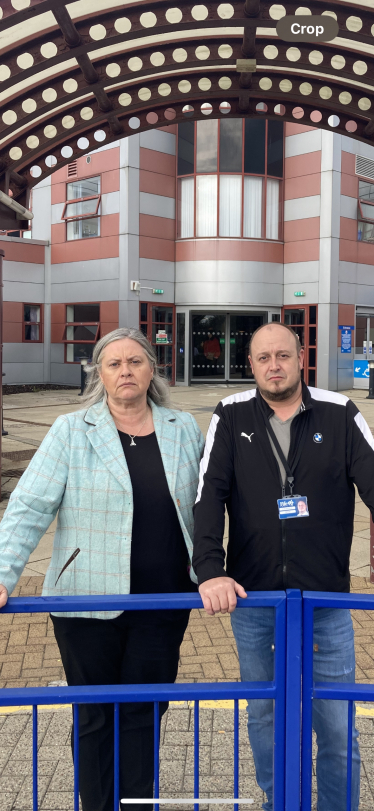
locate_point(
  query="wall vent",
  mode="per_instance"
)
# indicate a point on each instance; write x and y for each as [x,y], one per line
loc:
[364,167]
[73,168]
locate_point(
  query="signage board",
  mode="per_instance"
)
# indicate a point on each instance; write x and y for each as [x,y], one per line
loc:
[346,339]
[161,337]
[361,370]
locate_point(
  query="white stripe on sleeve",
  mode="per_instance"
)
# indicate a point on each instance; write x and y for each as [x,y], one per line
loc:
[208,448]
[365,430]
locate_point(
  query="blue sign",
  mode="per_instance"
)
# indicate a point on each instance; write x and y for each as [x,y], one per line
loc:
[361,369]
[346,339]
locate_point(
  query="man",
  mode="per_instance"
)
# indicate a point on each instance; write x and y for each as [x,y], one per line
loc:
[263,446]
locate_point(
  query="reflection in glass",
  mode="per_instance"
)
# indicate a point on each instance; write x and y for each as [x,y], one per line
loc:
[206,146]
[82,229]
[275,148]
[75,352]
[230,205]
[206,204]
[162,315]
[208,346]
[252,207]
[164,359]
[187,186]
[360,333]
[186,139]
[31,332]
[86,187]
[272,209]
[254,146]
[31,312]
[230,145]
[241,329]
[83,332]
[181,347]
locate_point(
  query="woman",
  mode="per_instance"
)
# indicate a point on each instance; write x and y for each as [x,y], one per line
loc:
[122,474]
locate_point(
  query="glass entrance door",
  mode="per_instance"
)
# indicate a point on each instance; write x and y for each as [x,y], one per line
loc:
[220,345]
[208,346]
[242,328]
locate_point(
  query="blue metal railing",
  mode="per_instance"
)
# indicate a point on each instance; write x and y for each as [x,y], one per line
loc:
[328,690]
[293,667]
[118,694]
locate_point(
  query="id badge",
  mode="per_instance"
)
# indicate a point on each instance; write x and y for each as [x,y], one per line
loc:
[293,507]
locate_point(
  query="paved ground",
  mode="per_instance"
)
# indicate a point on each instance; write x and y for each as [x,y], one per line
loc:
[29,655]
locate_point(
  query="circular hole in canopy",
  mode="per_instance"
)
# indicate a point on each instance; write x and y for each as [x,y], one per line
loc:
[298,112]
[316,116]
[152,118]
[83,143]
[277,11]
[134,122]
[333,120]
[50,161]
[66,151]
[188,110]
[261,107]
[100,136]
[279,109]
[169,114]
[224,107]
[35,171]
[351,126]
[206,109]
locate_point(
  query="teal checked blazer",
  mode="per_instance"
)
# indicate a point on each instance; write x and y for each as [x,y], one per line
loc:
[79,472]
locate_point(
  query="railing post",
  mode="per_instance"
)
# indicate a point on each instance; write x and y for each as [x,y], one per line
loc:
[293,701]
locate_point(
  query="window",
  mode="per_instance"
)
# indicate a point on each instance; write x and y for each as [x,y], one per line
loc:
[365,231]
[230,175]
[81,331]
[81,210]
[32,327]
[160,319]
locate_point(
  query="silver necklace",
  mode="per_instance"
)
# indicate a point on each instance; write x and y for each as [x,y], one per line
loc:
[132,436]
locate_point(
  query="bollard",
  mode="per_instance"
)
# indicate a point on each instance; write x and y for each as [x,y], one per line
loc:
[84,362]
[371,380]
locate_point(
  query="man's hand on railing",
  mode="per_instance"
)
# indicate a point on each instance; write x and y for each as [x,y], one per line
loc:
[3,596]
[219,594]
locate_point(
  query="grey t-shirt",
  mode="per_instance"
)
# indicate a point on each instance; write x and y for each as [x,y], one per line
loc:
[282,431]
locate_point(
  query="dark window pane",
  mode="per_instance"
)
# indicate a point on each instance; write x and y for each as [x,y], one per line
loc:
[230,145]
[31,312]
[292,317]
[208,346]
[242,328]
[143,328]
[275,148]
[86,312]
[206,146]
[162,315]
[312,336]
[275,317]
[312,377]
[81,333]
[143,312]
[254,146]
[312,315]
[312,357]
[181,348]
[75,352]
[31,332]
[186,138]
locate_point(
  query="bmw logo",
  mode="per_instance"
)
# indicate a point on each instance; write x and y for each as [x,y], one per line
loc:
[318,438]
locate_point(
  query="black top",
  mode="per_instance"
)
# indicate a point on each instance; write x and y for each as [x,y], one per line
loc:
[159,557]
[265,553]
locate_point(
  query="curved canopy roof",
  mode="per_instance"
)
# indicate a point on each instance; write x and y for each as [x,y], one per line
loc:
[76,75]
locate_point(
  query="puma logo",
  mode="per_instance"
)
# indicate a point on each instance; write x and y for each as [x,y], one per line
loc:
[246,435]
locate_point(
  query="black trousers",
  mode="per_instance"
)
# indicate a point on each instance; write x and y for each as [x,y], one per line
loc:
[134,648]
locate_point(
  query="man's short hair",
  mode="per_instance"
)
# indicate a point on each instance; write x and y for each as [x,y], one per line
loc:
[277,324]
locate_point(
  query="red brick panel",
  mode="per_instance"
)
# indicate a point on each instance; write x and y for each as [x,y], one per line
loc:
[106,328]
[305,251]
[296,129]
[304,186]
[150,248]
[58,191]
[160,162]
[349,185]
[109,312]
[346,316]
[79,250]
[155,183]
[300,165]
[297,230]
[12,322]
[348,163]
[109,225]
[58,233]
[110,181]
[58,320]
[150,226]
[348,227]
[23,252]
[238,249]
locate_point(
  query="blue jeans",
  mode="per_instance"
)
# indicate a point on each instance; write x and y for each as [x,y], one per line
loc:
[333,661]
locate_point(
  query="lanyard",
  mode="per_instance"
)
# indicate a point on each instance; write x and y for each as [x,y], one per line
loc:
[285,463]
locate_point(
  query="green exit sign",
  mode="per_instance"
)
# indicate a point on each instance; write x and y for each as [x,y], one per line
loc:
[299,293]
[157,291]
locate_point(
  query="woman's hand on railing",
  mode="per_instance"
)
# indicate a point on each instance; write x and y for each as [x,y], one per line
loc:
[3,595]
[219,594]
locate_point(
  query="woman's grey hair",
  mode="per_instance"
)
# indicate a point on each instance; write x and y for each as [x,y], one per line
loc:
[158,389]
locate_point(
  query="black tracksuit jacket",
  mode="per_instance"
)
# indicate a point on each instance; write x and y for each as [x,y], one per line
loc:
[264,552]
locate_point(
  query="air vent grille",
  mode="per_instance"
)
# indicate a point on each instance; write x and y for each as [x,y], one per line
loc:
[364,167]
[72,169]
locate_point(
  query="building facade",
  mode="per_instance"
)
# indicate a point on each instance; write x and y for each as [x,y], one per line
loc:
[199,234]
